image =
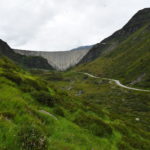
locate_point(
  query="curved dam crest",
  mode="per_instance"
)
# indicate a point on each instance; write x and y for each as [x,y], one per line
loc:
[60,60]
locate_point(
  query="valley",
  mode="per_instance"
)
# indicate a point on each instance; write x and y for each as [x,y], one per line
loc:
[61,60]
[90,98]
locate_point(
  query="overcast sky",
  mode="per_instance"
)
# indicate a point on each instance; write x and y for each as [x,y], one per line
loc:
[55,25]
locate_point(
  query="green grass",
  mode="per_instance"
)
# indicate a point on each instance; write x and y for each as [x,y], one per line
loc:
[80,113]
[100,100]
[128,62]
[50,110]
[23,126]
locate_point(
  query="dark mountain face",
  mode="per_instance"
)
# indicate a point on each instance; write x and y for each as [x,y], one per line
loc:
[83,47]
[140,19]
[26,61]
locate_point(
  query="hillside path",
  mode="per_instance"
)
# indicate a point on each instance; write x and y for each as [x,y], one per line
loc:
[117,82]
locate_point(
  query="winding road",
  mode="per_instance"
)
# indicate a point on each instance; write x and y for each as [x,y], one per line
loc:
[117,82]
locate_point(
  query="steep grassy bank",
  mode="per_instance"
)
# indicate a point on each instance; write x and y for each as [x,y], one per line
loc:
[35,116]
[36,113]
[139,20]
[127,112]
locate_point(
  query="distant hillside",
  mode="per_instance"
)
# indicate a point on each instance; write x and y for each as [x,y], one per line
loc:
[125,55]
[141,18]
[83,47]
[26,61]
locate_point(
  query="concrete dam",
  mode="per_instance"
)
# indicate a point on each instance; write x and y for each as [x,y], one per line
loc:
[59,60]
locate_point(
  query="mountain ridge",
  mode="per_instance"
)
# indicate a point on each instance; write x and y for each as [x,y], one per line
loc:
[68,110]
[129,60]
[108,44]
[28,62]
[63,60]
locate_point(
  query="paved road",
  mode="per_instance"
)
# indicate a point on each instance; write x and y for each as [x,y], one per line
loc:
[117,83]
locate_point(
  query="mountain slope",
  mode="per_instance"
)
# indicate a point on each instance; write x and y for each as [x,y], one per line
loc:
[129,61]
[28,62]
[141,18]
[50,110]
[37,112]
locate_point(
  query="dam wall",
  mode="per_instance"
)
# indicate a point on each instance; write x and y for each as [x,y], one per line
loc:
[61,60]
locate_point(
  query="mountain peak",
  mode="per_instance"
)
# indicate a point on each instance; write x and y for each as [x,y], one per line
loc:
[140,19]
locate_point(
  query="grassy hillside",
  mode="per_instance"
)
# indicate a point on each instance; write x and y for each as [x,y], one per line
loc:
[24,61]
[48,110]
[40,114]
[126,112]
[128,62]
[139,20]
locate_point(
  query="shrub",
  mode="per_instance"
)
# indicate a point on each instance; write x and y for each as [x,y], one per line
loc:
[137,143]
[8,115]
[44,97]
[122,129]
[93,124]
[32,138]
[38,85]
[124,146]
[59,111]
[8,64]
[13,77]
[26,88]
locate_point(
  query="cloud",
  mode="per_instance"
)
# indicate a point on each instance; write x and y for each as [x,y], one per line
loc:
[63,24]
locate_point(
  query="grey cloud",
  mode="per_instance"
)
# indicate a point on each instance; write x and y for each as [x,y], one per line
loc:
[63,24]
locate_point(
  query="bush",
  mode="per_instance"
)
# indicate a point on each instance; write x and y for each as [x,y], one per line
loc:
[44,97]
[32,138]
[122,129]
[8,115]
[8,64]
[124,146]
[93,124]
[38,85]
[136,142]
[28,85]
[13,77]
[59,111]
[26,88]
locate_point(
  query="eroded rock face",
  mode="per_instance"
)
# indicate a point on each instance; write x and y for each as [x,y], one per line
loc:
[59,60]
